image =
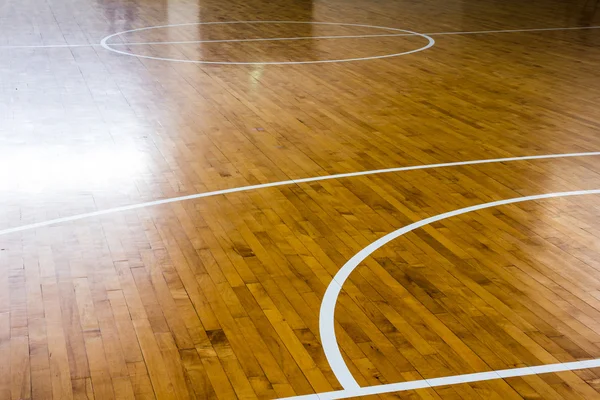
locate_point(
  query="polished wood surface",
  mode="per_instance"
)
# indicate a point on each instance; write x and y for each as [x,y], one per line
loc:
[219,297]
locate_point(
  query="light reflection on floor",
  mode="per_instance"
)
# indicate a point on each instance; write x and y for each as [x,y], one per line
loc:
[57,168]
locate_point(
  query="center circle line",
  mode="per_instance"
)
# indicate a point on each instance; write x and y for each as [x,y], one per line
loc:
[108,46]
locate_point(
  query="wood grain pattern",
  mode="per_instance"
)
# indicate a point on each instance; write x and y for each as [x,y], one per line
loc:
[218,298]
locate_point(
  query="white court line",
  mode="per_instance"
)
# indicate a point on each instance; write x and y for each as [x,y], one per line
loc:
[516,30]
[296,38]
[349,36]
[262,39]
[327,315]
[207,41]
[49,46]
[451,380]
[108,46]
[282,183]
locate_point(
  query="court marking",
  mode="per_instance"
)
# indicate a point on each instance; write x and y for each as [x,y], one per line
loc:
[516,30]
[50,46]
[107,46]
[273,39]
[327,312]
[47,46]
[451,380]
[77,217]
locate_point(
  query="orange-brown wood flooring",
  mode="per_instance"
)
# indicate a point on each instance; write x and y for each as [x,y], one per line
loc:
[219,297]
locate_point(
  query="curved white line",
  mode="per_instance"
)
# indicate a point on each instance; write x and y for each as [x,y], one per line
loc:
[327,314]
[104,43]
[281,183]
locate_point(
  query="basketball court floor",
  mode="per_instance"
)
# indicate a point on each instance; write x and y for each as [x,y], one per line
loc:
[315,199]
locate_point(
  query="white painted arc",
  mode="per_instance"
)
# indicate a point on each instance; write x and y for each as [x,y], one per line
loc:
[327,312]
[108,46]
[451,380]
[282,183]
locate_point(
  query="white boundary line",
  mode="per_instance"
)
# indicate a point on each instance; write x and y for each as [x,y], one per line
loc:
[451,380]
[327,312]
[516,30]
[262,39]
[104,43]
[49,46]
[77,217]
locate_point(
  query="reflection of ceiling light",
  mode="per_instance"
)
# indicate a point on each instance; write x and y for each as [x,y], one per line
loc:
[256,74]
[36,169]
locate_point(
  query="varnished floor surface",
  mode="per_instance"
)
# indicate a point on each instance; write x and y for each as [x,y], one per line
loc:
[219,297]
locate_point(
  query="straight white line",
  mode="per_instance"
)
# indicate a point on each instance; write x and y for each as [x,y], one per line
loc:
[49,46]
[296,38]
[262,39]
[514,30]
[452,380]
[281,183]
[327,317]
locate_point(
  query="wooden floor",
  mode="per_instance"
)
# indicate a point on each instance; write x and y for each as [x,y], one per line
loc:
[219,297]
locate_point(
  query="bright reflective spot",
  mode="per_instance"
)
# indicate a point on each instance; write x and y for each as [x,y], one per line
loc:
[256,74]
[55,168]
